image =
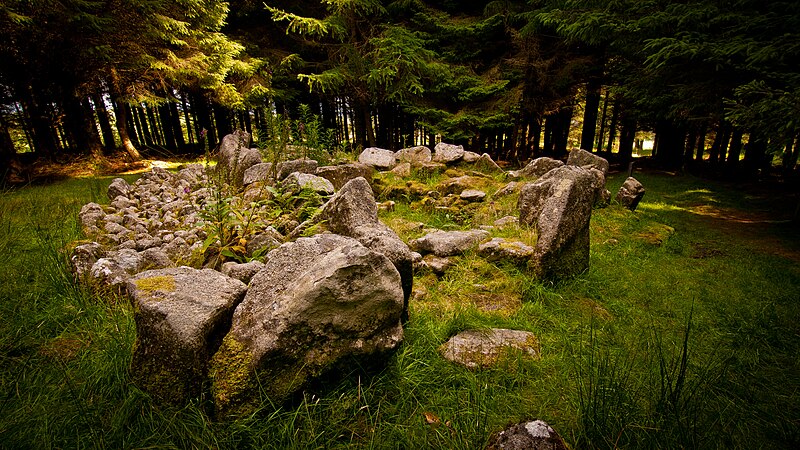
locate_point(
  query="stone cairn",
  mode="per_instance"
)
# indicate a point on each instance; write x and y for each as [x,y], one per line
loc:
[311,305]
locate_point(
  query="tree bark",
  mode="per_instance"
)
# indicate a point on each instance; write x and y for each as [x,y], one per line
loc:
[612,127]
[109,143]
[80,124]
[590,114]
[122,129]
[627,136]
[167,127]
[735,150]
[601,133]
[42,130]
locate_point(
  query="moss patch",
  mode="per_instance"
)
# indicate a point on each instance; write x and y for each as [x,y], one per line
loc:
[164,283]
[231,374]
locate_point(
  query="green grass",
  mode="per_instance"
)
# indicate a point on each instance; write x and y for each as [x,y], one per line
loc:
[683,333]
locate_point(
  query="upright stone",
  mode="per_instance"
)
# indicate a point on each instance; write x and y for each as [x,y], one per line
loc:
[630,194]
[320,304]
[536,168]
[235,157]
[582,158]
[181,316]
[559,205]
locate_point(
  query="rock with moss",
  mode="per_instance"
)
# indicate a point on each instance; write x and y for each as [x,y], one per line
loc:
[630,194]
[298,180]
[500,249]
[402,170]
[118,188]
[379,158]
[447,153]
[235,157]
[458,184]
[483,348]
[321,304]
[559,206]
[449,243]
[342,173]
[529,435]
[536,168]
[243,272]
[83,258]
[416,156]
[181,316]
[260,172]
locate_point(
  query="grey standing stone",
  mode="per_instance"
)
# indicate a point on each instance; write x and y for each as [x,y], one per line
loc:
[235,157]
[582,158]
[321,303]
[536,168]
[559,205]
[630,194]
[181,316]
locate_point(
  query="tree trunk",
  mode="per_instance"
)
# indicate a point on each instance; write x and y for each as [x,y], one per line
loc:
[109,143]
[222,116]
[203,120]
[627,136]
[122,129]
[701,142]
[562,137]
[42,131]
[155,130]
[590,114]
[141,124]
[80,124]
[165,116]
[735,150]
[190,131]
[175,123]
[612,127]
[601,133]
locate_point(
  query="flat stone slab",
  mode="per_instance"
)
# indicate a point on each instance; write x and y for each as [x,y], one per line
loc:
[449,243]
[483,348]
[181,315]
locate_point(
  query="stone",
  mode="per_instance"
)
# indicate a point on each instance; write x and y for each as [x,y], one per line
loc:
[531,435]
[262,242]
[235,157]
[483,348]
[432,168]
[119,187]
[89,216]
[470,157]
[582,158]
[83,258]
[507,190]
[117,267]
[630,194]
[379,158]
[181,315]
[402,170]
[559,205]
[352,212]
[342,173]
[447,153]
[472,195]
[505,222]
[449,243]
[302,165]
[416,156]
[487,164]
[320,304]
[457,185]
[257,172]
[601,195]
[194,175]
[307,181]
[437,264]
[500,249]
[536,168]
[243,272]
[154,258]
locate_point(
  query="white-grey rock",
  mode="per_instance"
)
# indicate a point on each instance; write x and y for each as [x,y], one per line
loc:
[472,195]
[342,173]
[416,156]
[447,153]
[235,157]
[307,181]
[531,435]
[536,168]
[379,158]
[243,272]
[582,158]
[483,348]
[257,172]
[302,165]
[118,187]
[449,243]
[500,249]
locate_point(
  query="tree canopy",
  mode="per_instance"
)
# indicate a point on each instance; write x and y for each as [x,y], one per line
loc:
[713,82]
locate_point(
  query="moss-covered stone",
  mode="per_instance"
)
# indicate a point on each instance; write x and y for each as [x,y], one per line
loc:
[165,283]
[232,376]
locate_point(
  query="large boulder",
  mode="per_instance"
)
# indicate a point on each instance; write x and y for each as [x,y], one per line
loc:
[352,212]
[447,153]
[235,157]
[181,316]
[449,243]
[342,173]
[483,348]
[559,205]
[582,158]
[298,180]
[320,304]
[536,168]
[258,172]
[416,156]
[630,194]
[379,158]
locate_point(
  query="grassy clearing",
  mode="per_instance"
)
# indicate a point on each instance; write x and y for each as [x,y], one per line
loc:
[684,333]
